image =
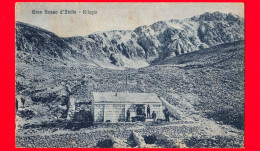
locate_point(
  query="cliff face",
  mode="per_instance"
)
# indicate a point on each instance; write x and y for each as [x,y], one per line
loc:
[136,48]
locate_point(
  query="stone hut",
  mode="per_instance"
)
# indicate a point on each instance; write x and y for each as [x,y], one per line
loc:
[113,106]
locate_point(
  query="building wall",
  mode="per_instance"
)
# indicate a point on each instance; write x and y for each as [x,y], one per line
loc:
[114,112]
[117,112]
[98,113]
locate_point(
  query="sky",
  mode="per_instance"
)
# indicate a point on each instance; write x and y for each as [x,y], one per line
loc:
[112,16]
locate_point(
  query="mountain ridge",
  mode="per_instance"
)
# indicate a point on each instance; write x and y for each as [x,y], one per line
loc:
[145,44]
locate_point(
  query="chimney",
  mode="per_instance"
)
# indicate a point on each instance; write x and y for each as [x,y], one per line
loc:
[126,81]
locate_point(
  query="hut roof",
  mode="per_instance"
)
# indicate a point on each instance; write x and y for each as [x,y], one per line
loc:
[123,97]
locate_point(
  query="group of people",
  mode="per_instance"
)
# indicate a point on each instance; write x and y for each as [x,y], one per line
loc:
[148,115]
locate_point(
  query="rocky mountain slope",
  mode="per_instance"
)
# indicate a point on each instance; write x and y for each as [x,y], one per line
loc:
[137,48]
[206,87]
[37,41]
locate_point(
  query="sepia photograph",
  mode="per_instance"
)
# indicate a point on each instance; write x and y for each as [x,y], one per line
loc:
[129,75]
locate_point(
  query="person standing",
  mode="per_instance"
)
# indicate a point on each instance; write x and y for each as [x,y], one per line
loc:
[167,114]
[23,101]
[16,105]
[148,111]
[128,116]
[154,116]
[143,117]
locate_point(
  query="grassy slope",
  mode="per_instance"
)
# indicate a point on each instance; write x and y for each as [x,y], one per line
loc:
[216,76]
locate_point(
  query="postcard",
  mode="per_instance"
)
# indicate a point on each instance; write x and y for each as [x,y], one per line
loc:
[129,75]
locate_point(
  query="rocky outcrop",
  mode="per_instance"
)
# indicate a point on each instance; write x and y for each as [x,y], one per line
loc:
[217,16]
[172,109]
[71,108]
[139,140]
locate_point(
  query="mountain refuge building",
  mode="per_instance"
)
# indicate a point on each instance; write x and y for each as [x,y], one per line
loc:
[113,106]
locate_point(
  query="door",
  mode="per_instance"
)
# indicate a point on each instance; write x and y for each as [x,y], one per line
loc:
[140,109]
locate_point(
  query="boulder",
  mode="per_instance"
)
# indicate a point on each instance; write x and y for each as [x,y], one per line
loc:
[139,140]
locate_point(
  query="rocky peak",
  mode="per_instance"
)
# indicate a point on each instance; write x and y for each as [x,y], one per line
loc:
[217,16]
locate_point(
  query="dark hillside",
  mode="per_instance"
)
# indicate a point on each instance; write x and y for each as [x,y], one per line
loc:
[38,41]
